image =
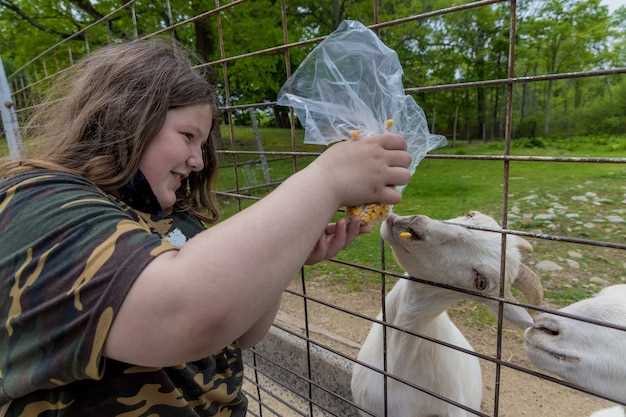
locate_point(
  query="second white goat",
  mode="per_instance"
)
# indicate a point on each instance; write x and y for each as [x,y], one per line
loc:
[583,353]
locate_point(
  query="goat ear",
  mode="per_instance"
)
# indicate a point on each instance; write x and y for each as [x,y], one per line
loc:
[522,244]
[529,284]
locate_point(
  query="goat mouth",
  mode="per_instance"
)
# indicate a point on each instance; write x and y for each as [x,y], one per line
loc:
[561,357]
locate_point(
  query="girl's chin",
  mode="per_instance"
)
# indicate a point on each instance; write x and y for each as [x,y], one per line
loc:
[167,200]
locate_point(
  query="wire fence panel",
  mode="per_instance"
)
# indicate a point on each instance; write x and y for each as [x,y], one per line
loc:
[251,171]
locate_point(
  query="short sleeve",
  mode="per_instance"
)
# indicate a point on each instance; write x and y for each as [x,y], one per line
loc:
[68,256]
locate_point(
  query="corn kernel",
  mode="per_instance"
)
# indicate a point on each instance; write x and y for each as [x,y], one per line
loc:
[374,212]
[405,235]
[369,213]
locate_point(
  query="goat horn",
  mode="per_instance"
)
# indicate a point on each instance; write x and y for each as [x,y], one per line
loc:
[530,285]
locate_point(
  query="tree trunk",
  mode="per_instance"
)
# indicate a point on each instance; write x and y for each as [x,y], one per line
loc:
[432,126]
[480,107]
[282,118]
[456,118]
[546,111]
[466,117]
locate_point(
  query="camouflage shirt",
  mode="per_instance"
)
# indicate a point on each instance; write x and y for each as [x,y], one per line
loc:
[69,253]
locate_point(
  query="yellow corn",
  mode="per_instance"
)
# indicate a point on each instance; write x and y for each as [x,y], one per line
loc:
[405,235]
[374,212]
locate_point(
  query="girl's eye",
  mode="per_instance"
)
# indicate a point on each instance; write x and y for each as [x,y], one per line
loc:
[188,136]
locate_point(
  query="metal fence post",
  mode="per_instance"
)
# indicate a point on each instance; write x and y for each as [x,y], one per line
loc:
[9,117]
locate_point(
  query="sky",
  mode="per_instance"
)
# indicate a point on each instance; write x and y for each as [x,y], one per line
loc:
[614,4]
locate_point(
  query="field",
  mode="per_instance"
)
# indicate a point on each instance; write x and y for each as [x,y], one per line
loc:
[576,200]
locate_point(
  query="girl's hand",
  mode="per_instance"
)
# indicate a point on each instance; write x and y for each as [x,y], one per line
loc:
[336,236]
[366,170]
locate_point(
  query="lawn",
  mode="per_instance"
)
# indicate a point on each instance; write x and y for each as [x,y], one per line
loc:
[544,197]
[575,200]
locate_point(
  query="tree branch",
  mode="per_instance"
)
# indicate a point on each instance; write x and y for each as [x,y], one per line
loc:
[31,20]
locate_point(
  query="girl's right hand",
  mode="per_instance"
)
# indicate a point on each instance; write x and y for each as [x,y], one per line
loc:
[366,170]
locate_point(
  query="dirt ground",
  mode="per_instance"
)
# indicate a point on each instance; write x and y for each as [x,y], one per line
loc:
[520,394]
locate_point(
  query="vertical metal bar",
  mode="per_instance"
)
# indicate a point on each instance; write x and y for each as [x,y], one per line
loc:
[9,117]
[86,43]
[220,35]
[133,15]
[27,98]
[308,343]
[256,379]
[45,68]
[220,38]
[69,54]
[383,265]
[505,196]
[170,17]
[287,58]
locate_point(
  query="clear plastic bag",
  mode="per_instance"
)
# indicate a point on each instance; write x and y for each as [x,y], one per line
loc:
[353,81]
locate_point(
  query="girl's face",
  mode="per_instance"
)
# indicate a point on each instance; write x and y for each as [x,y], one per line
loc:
[176,151]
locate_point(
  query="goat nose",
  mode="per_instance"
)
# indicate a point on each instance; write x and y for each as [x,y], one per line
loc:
[391,219]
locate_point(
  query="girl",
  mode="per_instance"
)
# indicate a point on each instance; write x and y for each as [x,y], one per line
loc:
[114,298]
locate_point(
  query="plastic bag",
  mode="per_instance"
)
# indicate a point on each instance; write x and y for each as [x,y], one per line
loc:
[353,81]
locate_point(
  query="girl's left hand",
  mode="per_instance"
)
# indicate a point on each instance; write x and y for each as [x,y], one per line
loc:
[336,236]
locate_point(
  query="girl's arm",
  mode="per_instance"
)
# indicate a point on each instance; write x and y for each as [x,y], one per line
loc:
[188,304]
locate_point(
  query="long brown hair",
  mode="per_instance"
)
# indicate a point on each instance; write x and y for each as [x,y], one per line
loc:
[100,115]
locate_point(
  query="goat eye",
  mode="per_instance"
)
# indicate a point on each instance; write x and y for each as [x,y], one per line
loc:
[480,282]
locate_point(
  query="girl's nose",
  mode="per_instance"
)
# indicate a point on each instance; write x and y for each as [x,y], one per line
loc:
[195,161]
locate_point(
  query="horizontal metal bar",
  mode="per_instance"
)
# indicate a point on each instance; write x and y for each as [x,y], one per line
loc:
[271,394]
[524,158]
[305,379]
[282,385]
[481,295]
[72,36]
[280,48]
[499,361]
[389,375]
[518,80]
[282,153]
[435,13]
[545,236]
[256,187]
[391,325]
[518,158]
[45,103]
[194,18]
[249,106]
[250,411]
[235,195]
[34,83]
[261,404]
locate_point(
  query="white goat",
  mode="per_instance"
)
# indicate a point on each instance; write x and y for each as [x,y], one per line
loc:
[447,254]
[582,353]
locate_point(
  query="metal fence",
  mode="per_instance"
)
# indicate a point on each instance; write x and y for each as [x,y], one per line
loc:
[35,71]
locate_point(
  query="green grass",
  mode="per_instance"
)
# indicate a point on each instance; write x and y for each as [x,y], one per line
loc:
[449,188]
